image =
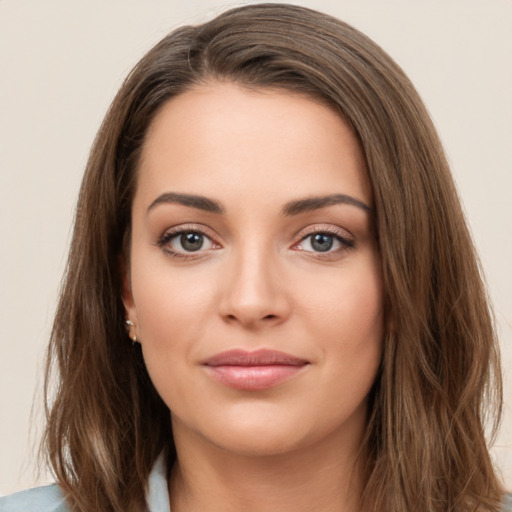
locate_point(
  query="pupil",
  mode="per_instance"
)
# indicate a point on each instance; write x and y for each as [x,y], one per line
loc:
[322,243]
[191,241]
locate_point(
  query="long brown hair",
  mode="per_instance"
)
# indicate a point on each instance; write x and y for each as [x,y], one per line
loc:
[425,448]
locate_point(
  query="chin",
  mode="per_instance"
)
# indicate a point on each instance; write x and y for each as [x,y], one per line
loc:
[260,441]
[250,433]
[264,435]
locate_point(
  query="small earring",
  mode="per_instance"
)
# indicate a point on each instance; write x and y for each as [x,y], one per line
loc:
[133,337]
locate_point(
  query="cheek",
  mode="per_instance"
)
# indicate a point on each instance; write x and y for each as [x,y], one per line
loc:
[169,302]
[348,304]
[172,313]
[347,316]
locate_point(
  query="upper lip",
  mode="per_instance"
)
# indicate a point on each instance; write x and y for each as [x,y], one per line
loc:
[262,357]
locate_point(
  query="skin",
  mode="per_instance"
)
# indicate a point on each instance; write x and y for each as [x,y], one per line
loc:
[258,281]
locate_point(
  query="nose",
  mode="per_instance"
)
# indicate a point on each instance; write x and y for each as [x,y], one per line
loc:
[254,293]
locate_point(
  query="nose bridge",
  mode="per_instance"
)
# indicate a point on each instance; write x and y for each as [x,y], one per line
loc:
[253,292]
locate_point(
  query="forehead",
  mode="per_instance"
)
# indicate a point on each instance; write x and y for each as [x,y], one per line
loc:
[251,141]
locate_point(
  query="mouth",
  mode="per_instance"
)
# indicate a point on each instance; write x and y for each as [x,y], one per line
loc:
[253,371]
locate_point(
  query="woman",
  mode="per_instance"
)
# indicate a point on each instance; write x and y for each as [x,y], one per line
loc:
[267,214]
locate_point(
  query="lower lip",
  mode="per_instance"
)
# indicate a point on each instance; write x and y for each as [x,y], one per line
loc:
[253,378]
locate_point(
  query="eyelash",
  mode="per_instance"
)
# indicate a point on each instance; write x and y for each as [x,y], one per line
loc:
[167,237]
[346,242]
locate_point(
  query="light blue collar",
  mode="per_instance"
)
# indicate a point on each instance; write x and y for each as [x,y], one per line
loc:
[158,493]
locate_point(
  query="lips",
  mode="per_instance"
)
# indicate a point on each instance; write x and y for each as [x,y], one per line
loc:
[253,371]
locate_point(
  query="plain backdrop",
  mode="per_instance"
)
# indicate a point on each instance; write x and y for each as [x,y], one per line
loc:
[61,63]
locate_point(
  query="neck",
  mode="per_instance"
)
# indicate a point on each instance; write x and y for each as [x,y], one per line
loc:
[324,477]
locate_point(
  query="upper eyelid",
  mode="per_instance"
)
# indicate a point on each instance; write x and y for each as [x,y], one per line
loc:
[186,228]
[331,230]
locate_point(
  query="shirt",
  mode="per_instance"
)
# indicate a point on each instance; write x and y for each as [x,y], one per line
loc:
[49,498]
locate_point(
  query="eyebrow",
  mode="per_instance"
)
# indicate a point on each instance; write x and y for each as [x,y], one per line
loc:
[289,209]
[316,203]
[193,201]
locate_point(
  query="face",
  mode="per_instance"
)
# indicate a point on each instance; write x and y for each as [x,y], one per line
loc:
[254,283]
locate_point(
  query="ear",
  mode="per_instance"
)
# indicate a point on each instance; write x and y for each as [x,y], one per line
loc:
[127,298]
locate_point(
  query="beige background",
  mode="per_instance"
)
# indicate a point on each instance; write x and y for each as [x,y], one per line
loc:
[60,65]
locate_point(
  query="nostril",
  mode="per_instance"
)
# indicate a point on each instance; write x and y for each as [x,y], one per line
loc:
[269,317]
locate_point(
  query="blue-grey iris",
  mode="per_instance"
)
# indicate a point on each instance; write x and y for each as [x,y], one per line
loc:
[322,242]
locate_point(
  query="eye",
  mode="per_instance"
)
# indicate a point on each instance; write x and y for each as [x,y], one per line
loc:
[184,243]
[325,242]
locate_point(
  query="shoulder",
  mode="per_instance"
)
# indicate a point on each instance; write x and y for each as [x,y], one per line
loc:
[39,499]
[507,503]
